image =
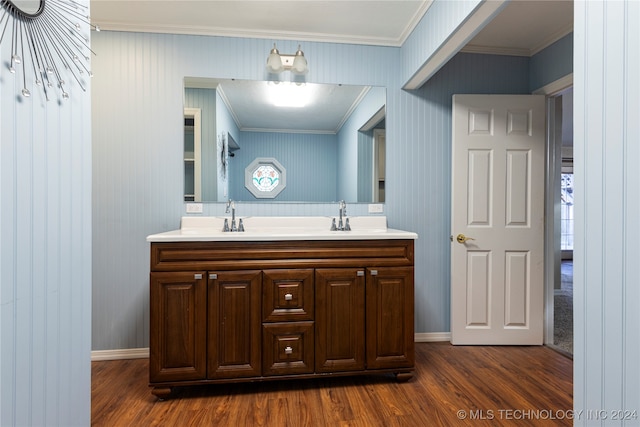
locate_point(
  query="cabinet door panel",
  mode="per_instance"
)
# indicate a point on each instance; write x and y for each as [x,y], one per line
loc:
[178,326]
[287,348]
[234,324]
[390,331]
[287,295]
[340,319]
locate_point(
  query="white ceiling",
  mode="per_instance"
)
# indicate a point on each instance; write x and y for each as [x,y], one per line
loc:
[251,103]
[384,23]
[523,28]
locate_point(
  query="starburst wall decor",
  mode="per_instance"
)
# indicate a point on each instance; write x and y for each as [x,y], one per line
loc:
[47,45]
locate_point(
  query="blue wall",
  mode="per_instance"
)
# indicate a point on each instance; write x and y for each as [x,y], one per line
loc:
[136,190]
[426,170]
[348,144]
[309,160]
[418,127]
[552,63]
[45,248]
[607,208]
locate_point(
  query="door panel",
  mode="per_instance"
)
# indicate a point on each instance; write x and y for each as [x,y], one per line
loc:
[234,324]
[390,305]
[340,317]
[498,209]
[178,326]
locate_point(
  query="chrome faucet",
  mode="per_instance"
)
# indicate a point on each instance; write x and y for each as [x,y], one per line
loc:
[231,205]
[343,223]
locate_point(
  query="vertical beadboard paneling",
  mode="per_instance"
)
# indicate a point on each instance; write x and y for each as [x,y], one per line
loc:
[45,247]
[137,136]
[423,179]
[365,166]
[606,254]
[348,152]
[441,19]
[552,63]
[418,156]
[309,160]
[631,290]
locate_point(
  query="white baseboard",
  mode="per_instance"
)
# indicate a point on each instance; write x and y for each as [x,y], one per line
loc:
[125,353]
[432,336]
[142,353]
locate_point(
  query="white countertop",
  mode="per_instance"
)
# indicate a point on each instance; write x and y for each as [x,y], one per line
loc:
[204,229]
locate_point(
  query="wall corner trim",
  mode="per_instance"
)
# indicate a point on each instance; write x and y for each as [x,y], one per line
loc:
[471,26]
[555,86]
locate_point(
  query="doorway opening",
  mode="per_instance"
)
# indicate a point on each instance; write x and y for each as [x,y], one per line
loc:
[561,133]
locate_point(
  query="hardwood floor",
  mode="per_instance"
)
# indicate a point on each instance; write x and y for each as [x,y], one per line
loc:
[452,386]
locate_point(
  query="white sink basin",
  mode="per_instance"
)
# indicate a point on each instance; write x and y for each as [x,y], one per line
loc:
[280,228]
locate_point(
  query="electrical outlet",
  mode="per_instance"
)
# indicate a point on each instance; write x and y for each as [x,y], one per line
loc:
[194,207]
[376,208]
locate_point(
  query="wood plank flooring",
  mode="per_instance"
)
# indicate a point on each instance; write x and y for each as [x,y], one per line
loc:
[452,386]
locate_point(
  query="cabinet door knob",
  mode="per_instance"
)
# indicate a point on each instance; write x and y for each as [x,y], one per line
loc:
[360,273]
[288,297]
[374,272]
[213,276]
[288,350]
[197,276]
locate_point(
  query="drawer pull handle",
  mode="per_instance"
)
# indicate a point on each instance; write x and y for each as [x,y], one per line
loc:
[360,273]
[288,297]
[288,350]
[374,272]
[197,276]
[213,276]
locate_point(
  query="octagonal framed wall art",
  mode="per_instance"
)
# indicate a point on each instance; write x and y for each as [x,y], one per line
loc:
[265,178]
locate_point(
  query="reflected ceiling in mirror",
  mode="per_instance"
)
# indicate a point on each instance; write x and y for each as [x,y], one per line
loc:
[322,133]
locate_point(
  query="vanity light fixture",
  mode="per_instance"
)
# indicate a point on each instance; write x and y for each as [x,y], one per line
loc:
[277,62]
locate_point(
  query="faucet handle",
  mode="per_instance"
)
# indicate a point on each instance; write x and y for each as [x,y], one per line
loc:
[225,228]
[240,225]
[333,225]
[347,227]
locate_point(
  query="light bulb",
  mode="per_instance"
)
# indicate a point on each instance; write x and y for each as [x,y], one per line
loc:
[299,63]
[274,62]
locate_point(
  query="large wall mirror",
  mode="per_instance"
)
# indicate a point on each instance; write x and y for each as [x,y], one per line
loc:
[329,139]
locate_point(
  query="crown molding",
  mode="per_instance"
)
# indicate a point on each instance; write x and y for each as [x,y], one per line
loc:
[515,51]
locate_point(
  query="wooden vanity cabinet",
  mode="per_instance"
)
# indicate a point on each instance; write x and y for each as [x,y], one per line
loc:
[389,312]
[178,326]
[234,324]
[252,311]
[340,330]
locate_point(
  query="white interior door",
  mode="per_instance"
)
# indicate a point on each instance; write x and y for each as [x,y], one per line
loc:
[497,219]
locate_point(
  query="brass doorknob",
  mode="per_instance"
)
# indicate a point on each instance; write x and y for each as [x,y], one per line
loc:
[461,238]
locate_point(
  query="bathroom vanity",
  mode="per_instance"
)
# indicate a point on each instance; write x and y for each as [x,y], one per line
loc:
[286,299]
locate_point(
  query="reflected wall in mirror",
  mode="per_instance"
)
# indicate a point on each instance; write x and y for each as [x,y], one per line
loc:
[330,139]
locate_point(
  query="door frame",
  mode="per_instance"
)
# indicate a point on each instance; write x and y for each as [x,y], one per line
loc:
[552,186]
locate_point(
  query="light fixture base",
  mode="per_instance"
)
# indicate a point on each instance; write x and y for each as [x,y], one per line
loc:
[287,61]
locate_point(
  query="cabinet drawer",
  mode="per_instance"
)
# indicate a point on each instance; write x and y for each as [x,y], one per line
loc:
[287,348]
[287,295]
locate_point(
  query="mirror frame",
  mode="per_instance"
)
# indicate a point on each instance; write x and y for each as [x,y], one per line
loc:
[16,10]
